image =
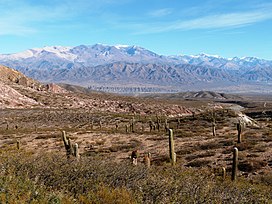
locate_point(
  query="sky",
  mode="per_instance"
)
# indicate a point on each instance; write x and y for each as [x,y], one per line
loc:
[227,28]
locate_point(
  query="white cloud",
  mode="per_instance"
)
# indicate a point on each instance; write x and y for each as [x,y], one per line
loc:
[217,21]
[222,21]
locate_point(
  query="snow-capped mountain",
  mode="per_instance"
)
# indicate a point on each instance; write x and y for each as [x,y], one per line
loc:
[221,62]
[125,65]
[88,55]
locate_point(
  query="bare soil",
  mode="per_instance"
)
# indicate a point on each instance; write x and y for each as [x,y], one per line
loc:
[39,130]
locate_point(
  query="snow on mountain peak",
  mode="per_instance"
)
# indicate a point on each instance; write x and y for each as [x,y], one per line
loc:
[209,55]
[101,53]
[121,46]
[16,56]
[250,59]
[57,48]
[59,51]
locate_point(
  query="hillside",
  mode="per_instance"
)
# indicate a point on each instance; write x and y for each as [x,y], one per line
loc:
[10,80]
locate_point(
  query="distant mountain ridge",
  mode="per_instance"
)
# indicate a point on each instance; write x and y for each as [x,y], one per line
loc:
[138,68]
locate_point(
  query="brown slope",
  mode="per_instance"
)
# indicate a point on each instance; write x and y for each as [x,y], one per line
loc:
[10,76]
[10,98]
[19,91]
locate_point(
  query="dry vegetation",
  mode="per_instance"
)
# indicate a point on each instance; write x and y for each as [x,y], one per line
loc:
[40,173]
[107,128]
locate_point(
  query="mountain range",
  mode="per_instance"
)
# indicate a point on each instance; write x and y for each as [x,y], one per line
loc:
[123,68]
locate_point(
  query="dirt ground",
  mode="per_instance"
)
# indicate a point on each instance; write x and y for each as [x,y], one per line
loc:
[106,134]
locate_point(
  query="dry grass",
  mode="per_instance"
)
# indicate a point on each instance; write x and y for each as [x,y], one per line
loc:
[51,178]
[195,147]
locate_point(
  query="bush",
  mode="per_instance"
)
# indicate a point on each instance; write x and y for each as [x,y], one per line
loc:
[51,178]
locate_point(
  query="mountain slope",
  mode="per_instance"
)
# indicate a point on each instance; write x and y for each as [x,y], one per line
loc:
[138,68]
[9,96]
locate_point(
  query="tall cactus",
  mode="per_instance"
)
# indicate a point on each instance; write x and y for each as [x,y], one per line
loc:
[134,157]
[67,144]
[100,124]
[71,149]
[213,128]
[151,125]
[76,151]
[132,124]
[158,122]
[234,164]
[147,159]
[239,130]
[65,141]
[223,173]
[127,127]
[171,147]
[178,123]
[18,144]
[166,125]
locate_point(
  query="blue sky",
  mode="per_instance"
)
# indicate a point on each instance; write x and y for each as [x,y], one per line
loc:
[225,27]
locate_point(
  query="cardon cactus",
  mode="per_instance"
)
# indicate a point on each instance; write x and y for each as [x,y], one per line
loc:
[178,123]
[234,164]
[76,151]
[134,157]
[213,128]
[166,125]
[65,141]
[18,144]
[223,173]
[158,122]
[100,124]
[239,130]
[67,144]
[132,124]
[152,125]
[147,159]
[71,149]
[171,147]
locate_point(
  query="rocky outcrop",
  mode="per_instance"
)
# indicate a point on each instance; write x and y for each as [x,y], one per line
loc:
[10,98]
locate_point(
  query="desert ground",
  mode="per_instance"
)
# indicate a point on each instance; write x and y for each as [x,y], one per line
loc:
[37,167]
[110,135]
